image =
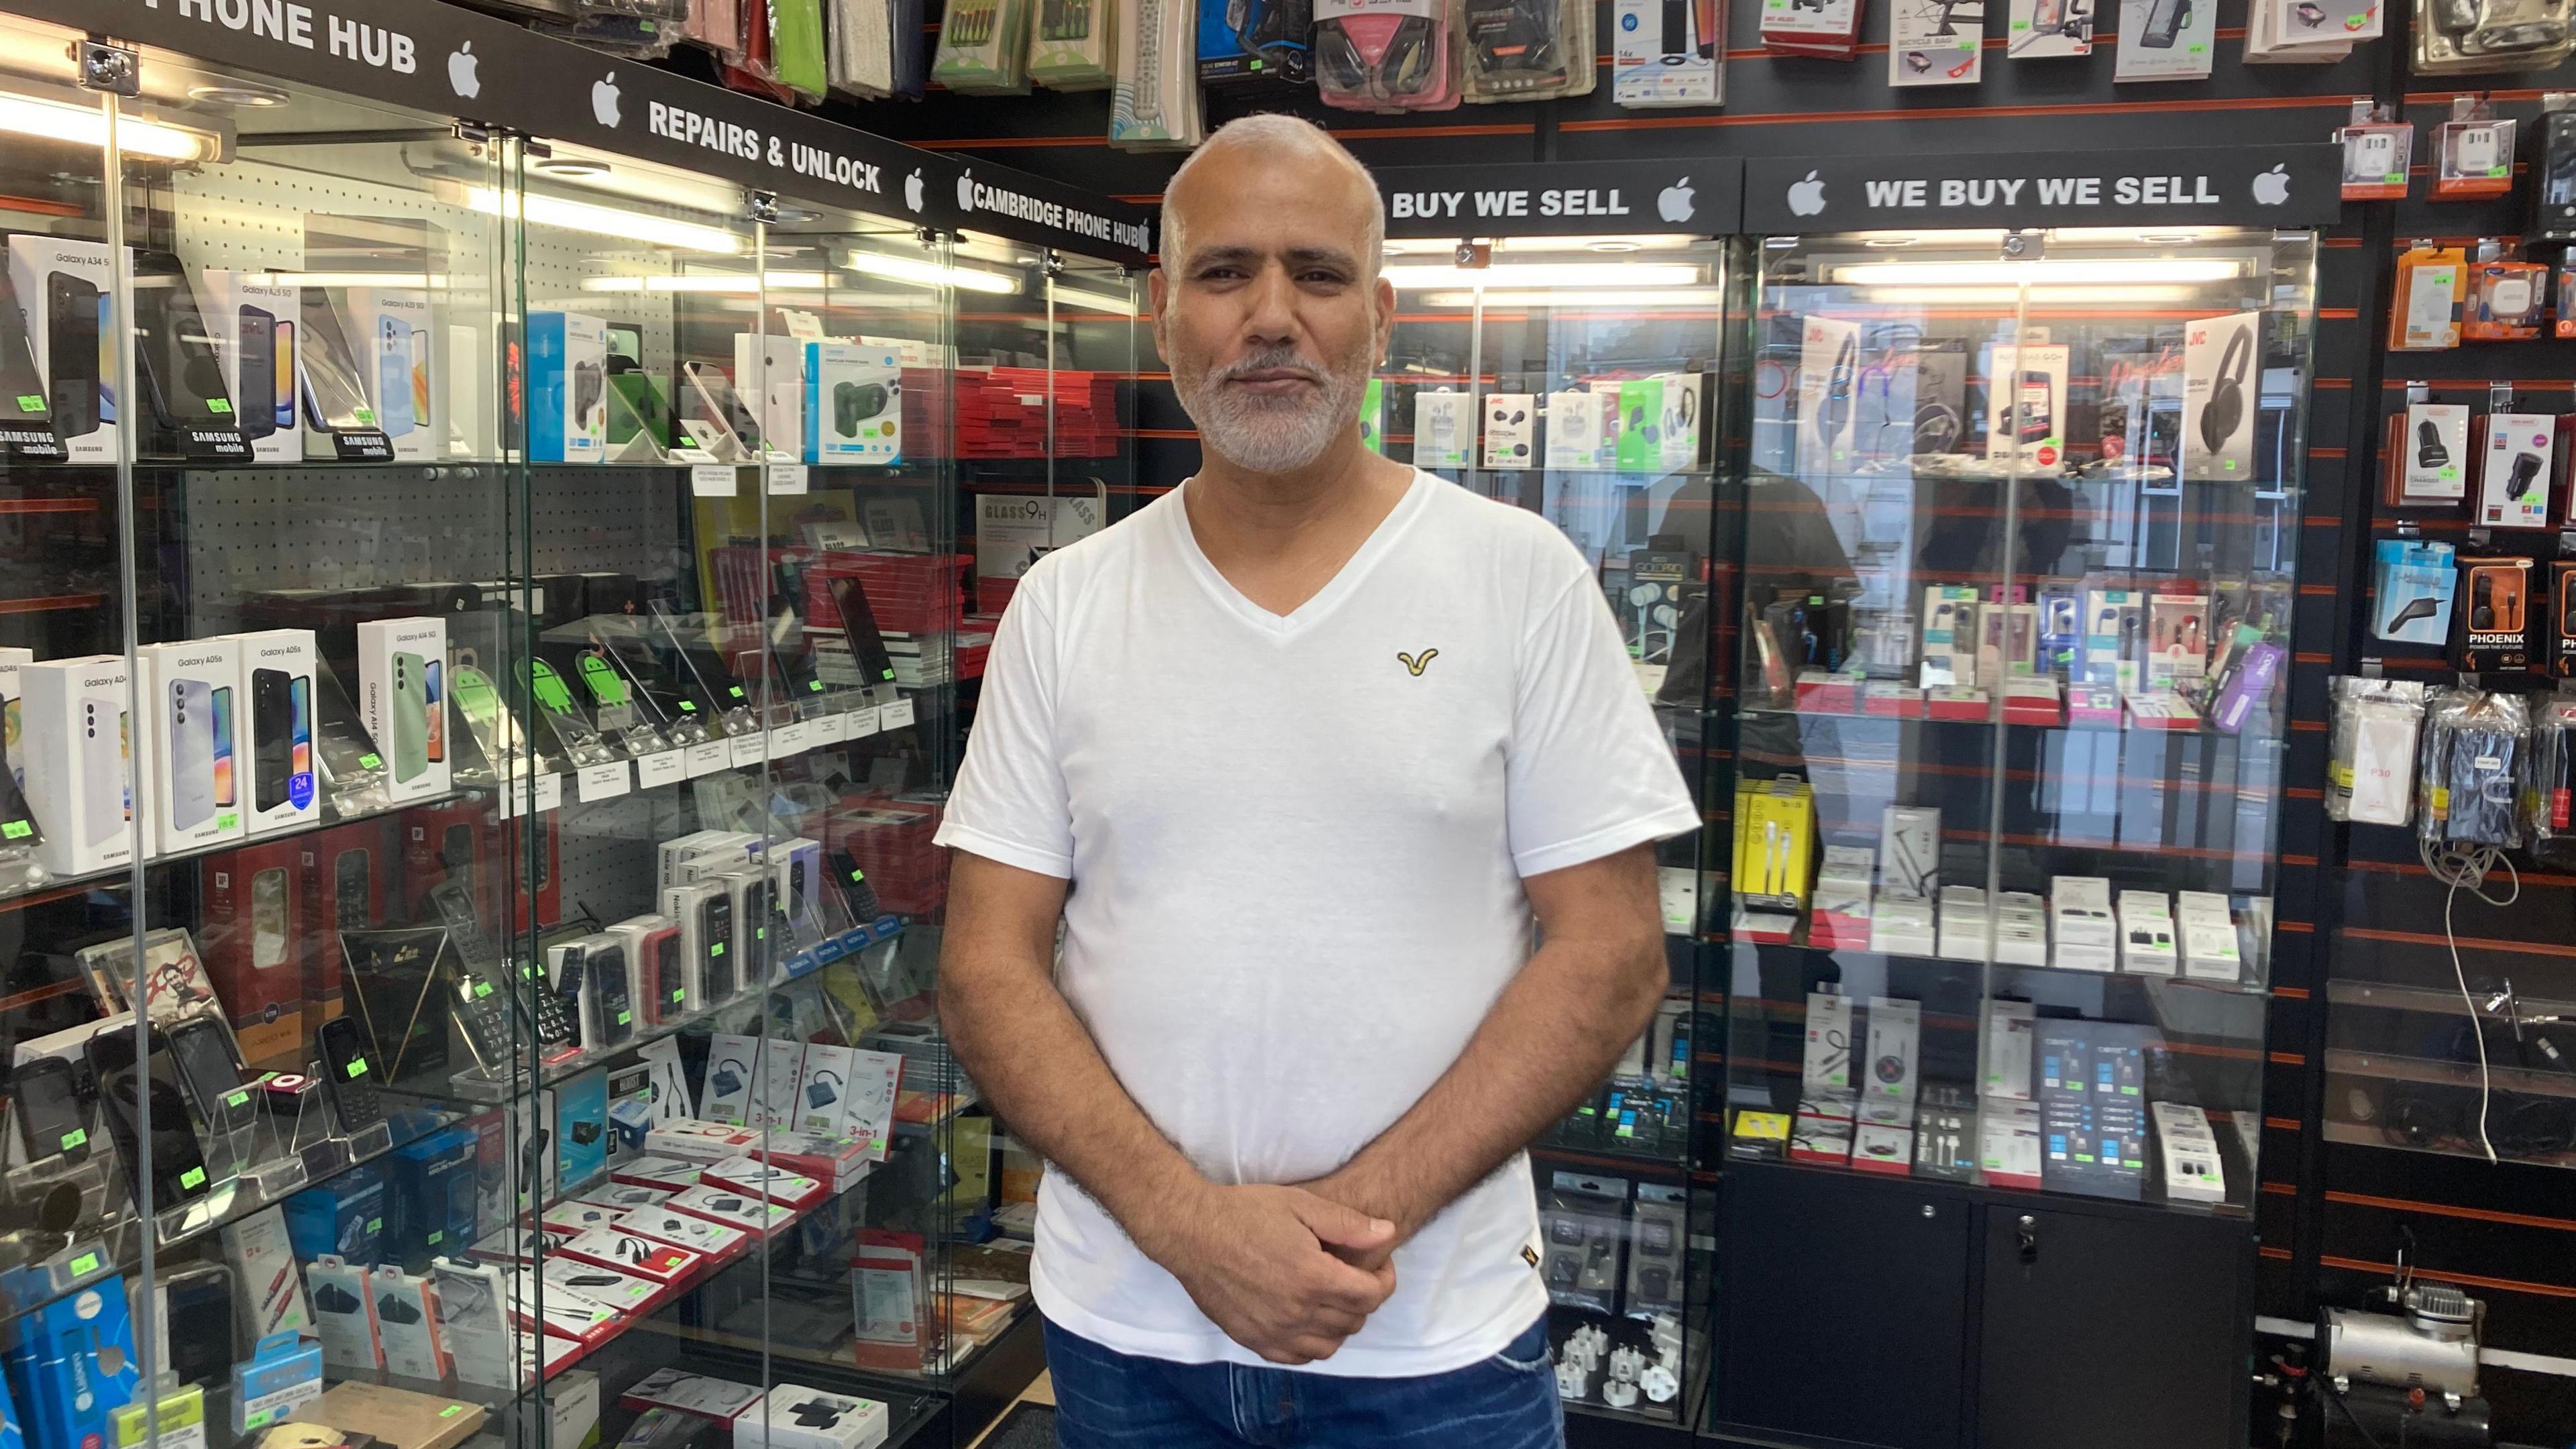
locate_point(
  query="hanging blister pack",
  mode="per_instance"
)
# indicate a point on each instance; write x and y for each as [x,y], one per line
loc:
[1073,46]
[1386,55]
[1669,53]
[1154,102]
[860,45]
[2370,773]
[2472,766]
[2552,802]
[1526,50]
[2462,37]
[1254,40]
[983,48]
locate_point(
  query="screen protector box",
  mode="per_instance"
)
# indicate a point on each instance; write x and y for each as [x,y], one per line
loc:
[567,388]
[853,403]
[402,701]
[256,331]
[67,290]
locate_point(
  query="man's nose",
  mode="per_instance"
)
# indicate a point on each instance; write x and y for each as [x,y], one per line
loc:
[1271,311]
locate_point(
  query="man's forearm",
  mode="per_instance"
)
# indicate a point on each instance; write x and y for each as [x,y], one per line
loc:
[1019,1040]
[1546,1044]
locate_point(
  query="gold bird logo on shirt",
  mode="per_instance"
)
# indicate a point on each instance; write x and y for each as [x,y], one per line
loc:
[1416,663]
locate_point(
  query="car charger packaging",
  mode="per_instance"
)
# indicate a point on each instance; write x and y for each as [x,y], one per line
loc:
[791,1416]
[196,697]
[75,749]
[853,403]
[2514,474]
[567,388]
[402,689]
[273,730]
[2430,456]
[2411,588]
[67,290]
[1511,430]
[2222,373]
[399,367]
[256,327]
[1444,430]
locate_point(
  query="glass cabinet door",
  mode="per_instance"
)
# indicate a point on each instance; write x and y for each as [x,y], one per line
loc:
[1579,378]
[2020,557]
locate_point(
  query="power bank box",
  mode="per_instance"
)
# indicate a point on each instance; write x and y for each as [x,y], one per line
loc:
[273,730]
[2514,475]
[67,290]
[399,369]
[853,403]
[402,702]
[257,327]
[2222,372]
[1444,430]
[567,388]
[1511,430]
[196,694]
[75,751]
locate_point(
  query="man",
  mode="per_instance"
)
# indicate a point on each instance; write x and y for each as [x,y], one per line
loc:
[1296,753]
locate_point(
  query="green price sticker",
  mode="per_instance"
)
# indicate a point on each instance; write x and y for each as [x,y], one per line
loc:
[219,406]
[193,1177]
[814,686]
[375,1225]
[451,1411]
[716,950]
[623,1018]
[238,1099]
[438,1237]
[31,402]
[678,994]
[366,416]
[85,1264]
[16,830]
[760,933]
[259,1420]
[74,1138]
[371,762]
[735,690]
[358,1068]
[482,988]
[688,706]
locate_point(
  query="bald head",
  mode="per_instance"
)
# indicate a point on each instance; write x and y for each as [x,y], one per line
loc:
[1281,160]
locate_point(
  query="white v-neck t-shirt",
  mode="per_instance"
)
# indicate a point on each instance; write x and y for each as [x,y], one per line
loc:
[1296,847]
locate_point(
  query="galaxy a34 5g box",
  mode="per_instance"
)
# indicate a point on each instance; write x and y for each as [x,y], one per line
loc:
[67,291]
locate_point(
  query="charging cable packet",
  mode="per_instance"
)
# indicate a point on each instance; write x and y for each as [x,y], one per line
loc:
[984,48]
[2412,582]
[1527,50]
[1386,55]
[1073,46]
[2472,766]
[2370,772]
[2551,806]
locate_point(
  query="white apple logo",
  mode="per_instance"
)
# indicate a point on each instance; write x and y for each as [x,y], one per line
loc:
[1675,203]
[460,72]
[966,191]
[603,99]
[1807,197]
[2272,188]
[912,189]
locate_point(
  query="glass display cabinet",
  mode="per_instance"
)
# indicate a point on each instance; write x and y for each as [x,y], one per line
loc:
[1582,376]
[485,636]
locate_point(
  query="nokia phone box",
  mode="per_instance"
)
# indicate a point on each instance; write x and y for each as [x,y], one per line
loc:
[74,716]
[567,388]
[853,403]
[256,331]
[67,290]
[398,368]
[2222,371]
[196,699]
[402,701]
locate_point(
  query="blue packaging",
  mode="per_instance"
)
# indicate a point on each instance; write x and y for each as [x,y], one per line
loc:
[432,1191]
[1253,40]
[2414,581]
[345,1216]
[59,1367]
[581,1130]
[11,1436]
[567,388]
[283,1374]
[853,403]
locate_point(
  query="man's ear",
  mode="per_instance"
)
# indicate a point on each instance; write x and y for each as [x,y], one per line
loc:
[1158,291]
[1382,293]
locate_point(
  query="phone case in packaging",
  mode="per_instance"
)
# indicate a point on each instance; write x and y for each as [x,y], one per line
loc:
[1386,55]
[714,24]
[796,47]
[1527,50]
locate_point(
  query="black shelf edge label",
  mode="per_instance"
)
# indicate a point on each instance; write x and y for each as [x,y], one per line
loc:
[2293,186]
[449,61]
[1696,196]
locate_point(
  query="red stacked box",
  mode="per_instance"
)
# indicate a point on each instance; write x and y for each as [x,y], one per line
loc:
[974,646]
[1002,413]
[910,593]
[925,414]
[890,840]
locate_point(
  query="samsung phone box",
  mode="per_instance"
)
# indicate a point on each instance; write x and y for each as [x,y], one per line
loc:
[398,368]
[273,730]
[567,388]
[2222,375]
[256,330]
[853,403]
[67,289]
[196,780]
[402,702]
[74,713]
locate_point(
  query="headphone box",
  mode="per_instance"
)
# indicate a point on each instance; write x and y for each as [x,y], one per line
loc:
[2493,623]
[1443,427]
[791,1416]
[1511,429]
[1829,365]
[2222,366]
[2514,473]
[1578,430]
[853,403]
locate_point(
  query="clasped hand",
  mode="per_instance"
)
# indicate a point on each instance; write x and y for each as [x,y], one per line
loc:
[1277,1268]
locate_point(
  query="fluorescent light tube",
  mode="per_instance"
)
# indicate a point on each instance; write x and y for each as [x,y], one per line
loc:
[746,285]
[931,274]
[87,126]
[660,231]
[1547,274]
[2049,269]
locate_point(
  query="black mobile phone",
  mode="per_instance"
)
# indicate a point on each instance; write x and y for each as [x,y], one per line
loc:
[715,929]
[859,627]
[862,897]
[52,1122]
[180,371]
[257,369]
[607,969]
[200,1322]
[176,1162]
[348,1076]
[353,890]
[211,1068]
[71,353]
[272,731]
[22,387]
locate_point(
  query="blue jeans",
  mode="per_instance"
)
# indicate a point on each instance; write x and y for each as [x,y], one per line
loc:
[1110,1400]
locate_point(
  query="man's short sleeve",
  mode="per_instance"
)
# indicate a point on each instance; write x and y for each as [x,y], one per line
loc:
[1010,803]
[1588,771]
